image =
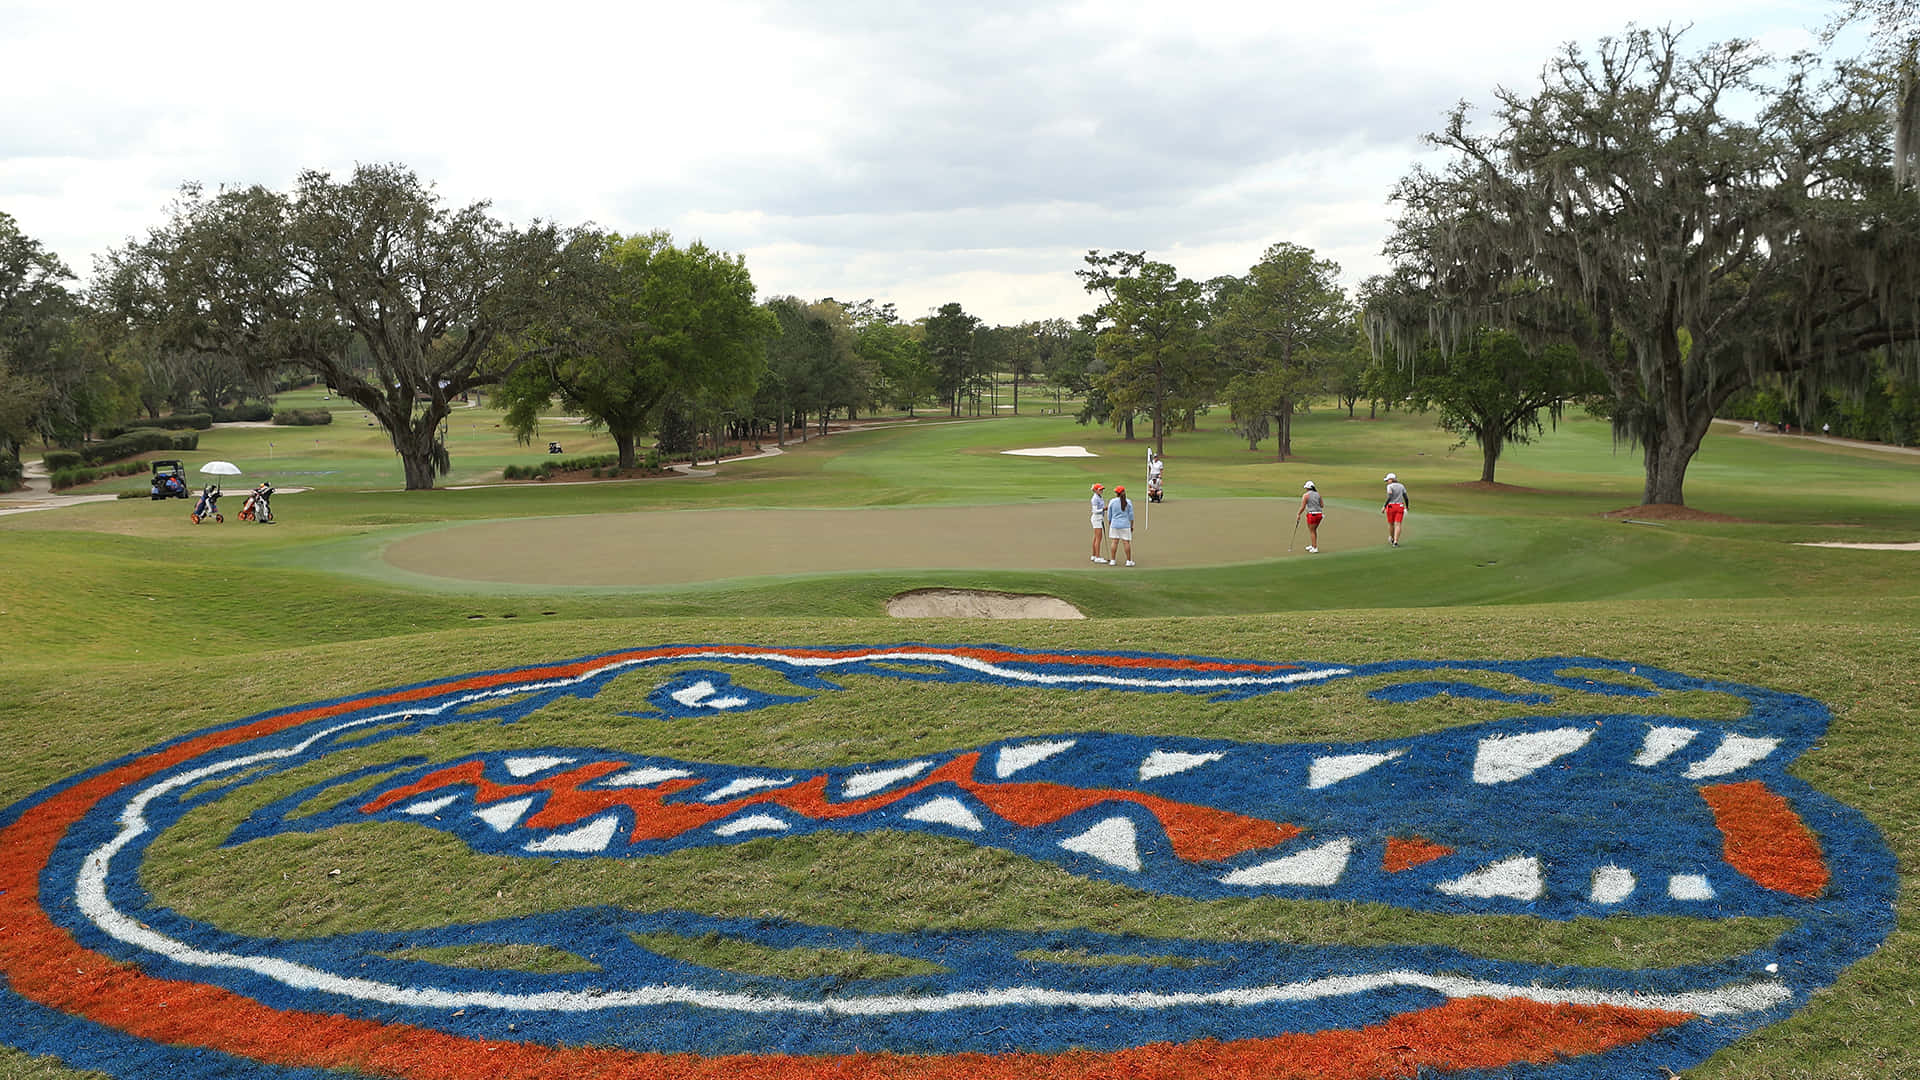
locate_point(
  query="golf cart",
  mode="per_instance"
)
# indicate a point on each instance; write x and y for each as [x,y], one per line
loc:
[169,481]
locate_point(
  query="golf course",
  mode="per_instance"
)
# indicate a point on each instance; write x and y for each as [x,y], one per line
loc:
[622,777]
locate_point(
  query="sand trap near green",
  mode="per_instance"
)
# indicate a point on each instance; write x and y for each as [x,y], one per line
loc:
[686,546]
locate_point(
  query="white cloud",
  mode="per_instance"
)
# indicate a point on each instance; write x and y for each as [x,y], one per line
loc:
[916,153]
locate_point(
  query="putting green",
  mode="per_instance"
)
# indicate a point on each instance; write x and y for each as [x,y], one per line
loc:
[685,546]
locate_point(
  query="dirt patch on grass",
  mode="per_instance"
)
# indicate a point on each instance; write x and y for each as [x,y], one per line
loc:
[1495,487]
[1671,512]
[978,604]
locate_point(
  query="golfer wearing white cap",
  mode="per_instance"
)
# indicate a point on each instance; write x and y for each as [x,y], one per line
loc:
[1313,509]
[1099,519]
[1395,508]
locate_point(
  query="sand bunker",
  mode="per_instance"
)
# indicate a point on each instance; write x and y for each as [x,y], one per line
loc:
[978,604]
[1052,451]
[1869,547]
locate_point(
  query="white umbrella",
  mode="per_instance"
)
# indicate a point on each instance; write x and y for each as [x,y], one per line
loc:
[221,468]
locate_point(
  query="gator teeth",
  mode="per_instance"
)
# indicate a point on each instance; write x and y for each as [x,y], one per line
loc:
[1014,758]
[1168,762]
[595,835]
[1662,742]
[1320,866]
[1517,878]
[1330,770]
[1611,884]
[870,782]
[1503,758]
[522,767]
[945,811]
[1113,841]
[1734,753]
[748,783]
[504,816]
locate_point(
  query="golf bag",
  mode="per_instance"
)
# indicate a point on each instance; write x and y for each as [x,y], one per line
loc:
[208,506]
[259,505]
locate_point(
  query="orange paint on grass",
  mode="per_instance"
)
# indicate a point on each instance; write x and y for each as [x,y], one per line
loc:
[1407,852]
[1765,839]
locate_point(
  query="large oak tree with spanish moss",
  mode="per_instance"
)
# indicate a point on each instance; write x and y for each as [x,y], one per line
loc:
[1689,222]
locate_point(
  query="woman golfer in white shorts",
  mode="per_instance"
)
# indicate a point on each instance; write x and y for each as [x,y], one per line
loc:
[1099,519]
[1119,526]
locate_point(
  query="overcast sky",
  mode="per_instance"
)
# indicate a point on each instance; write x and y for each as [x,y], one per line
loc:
[912,153]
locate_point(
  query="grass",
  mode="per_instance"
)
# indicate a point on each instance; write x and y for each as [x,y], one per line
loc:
[126,626]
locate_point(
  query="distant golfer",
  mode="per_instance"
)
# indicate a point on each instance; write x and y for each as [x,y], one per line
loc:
[1099,519]
[1395,508]
[1313,509]
[1119,526]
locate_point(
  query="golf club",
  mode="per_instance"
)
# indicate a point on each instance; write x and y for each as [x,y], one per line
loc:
[1296,534]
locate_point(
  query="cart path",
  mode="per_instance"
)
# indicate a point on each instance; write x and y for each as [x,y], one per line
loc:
[36,493]
[1744,428]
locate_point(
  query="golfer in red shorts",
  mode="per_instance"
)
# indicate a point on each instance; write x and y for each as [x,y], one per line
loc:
[1313,509]
[1395,509]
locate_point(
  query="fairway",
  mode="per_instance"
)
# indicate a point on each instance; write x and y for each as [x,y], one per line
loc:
[665,548]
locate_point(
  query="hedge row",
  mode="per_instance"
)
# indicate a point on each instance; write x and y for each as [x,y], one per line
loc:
[10,473]
[66,478]
[137,441]
[303,417]
[598,465]
[251,412]
[62,459]
[175,422]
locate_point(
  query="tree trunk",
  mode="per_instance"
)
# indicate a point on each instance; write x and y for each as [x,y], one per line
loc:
[1489,453]
[416,444]
[623,442]
[1286,428]
[1129,428]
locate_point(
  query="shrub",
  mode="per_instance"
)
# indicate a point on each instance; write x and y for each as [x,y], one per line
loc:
[10,473]
[62,459]
[137,441]
[303,417]
[252,411]
[174,422]
[66,478]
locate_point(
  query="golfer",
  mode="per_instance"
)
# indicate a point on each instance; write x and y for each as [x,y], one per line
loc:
[1119,527]
[1099,519]
[1395,508]
[1313,510]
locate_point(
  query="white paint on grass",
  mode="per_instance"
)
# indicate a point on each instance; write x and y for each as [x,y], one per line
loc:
[1689,887]
[1113,842]
[1517,878]
[1661,743]
[870,782]
[751,823]
[1169,762]
[1611,884]
[749,783]
[523,767]
[594,836]
[1319,866]
[1327,771]
[503,816]
[946,811]
[430,806]
[1734,753]
[644,776]
[1012,759]
[1504,758]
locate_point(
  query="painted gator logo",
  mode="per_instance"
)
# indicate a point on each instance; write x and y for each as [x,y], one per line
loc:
[1543,816]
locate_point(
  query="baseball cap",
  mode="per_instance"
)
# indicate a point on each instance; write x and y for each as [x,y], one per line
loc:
[1099,487]
[1121,488]
[1390,476]
[1308,485]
